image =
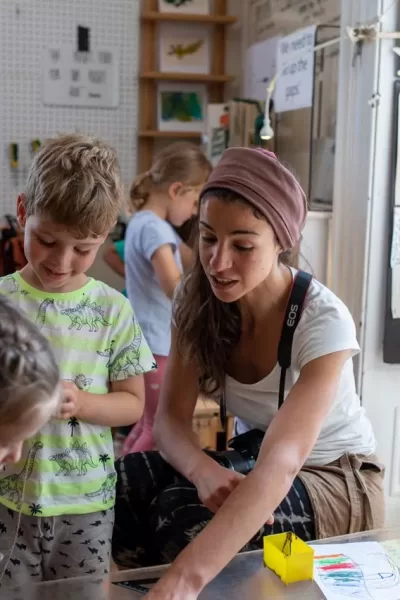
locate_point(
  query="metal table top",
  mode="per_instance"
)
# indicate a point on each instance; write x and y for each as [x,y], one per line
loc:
[245,577]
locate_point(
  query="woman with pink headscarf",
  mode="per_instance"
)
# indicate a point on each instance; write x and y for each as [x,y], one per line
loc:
[275,347]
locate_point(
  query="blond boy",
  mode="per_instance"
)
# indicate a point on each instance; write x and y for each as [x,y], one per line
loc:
[72,200]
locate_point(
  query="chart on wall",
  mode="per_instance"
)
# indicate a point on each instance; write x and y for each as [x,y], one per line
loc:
[268,18]
[72,78]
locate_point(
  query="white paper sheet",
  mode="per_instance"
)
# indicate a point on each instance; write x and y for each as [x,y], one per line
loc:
[359,571]
[392,549]
[295,70]
[260,68]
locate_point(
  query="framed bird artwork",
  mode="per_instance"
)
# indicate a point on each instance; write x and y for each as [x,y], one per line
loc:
[184,49]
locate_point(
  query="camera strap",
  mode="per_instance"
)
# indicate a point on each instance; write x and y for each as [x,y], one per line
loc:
[301,283]
[294,309]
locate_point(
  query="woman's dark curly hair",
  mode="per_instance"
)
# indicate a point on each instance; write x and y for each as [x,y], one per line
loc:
[208,329]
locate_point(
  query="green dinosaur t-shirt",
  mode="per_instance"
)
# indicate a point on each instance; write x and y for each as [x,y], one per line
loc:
[69,465]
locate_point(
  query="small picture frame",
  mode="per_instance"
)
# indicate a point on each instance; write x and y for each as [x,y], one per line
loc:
[184,49]
[181,107]
[192,7]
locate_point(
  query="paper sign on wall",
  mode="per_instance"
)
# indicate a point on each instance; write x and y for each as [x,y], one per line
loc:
[295,70]
[260,68]
[72,78]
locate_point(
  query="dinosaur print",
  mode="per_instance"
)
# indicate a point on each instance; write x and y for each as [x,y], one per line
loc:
[86,313]
[41,316]
[106,490]
[127,359]
[182,50]
[12,487]
[108,352]
[75,458]
[82,383]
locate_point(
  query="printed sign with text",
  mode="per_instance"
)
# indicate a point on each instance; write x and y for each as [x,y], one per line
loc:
[295,70]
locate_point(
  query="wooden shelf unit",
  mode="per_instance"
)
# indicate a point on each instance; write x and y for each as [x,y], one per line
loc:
[149,74]
[198,77]
[182,18]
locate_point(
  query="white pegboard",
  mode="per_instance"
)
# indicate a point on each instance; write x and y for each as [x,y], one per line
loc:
[26,28]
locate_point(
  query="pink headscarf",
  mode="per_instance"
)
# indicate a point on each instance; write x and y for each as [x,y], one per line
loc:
[258,176]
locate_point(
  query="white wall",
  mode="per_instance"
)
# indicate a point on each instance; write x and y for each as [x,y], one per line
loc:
[360,222]
[381,382]
[26,28]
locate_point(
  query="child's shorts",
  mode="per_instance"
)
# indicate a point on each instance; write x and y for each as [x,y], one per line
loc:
[49,548]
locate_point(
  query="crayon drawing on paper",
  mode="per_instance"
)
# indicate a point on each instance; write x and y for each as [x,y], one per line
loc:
[356,571]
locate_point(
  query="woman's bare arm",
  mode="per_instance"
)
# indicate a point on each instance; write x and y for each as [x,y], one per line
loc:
[286,446]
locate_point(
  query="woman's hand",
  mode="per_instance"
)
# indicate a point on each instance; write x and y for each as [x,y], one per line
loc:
[215,483]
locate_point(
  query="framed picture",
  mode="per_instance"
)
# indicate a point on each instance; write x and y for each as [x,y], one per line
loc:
[184,49]
[181,107]
[193,7]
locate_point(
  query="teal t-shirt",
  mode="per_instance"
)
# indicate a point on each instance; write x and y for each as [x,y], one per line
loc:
[69,465]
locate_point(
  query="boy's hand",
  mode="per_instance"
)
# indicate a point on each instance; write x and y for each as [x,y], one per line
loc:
[70,403]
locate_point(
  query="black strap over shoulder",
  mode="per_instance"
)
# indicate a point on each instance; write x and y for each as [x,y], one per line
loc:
[298,294]
[294,309]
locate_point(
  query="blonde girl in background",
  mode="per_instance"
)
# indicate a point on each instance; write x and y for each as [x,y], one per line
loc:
[164,197]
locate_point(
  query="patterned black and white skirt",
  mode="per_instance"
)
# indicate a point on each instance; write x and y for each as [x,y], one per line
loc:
[158,513]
